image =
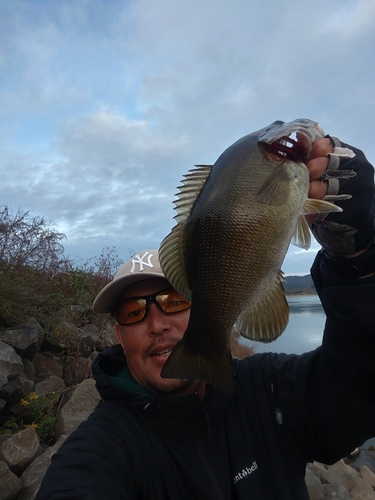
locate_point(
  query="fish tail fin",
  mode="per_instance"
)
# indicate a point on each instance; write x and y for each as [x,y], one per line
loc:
[215,368]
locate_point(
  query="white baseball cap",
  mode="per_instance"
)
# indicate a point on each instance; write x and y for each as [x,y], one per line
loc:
[141,267]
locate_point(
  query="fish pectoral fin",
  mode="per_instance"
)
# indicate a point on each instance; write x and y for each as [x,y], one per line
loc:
[314,206]
[265,321]
[276,187]
[302,236]
[215,368]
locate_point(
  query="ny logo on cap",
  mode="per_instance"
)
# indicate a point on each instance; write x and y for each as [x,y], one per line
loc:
[140,261]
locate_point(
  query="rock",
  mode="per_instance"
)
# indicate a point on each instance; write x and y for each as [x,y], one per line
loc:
[33,475]
[337,491]
[76,369]
[10,363]
[48,361]
[368,476]
[28,368]
[16,388]
[316,468]
[10,485]
[26,339]
[314,486]
[47,384]
[52,342]
[20,449]
[362,489]
[75,340]
[340,473]
[82,403]
[366,457]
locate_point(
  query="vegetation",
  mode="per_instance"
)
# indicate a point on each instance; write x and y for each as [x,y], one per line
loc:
[38,412]
[36,279]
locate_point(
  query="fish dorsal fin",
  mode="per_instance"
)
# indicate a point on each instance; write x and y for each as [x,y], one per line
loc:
[276,187]
[189,190]
[265,321]
[314,206]
[171,253]
[301,236]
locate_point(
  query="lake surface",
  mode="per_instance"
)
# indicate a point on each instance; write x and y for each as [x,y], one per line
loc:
[305,328]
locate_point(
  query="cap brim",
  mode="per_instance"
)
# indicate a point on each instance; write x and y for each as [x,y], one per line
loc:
[107,298]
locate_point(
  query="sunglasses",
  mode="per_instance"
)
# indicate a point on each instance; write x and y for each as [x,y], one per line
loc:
[135,309]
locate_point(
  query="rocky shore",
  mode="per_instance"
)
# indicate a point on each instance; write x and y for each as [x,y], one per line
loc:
[36,367]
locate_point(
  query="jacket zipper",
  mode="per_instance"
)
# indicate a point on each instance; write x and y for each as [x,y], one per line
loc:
[207,419]
[202,456]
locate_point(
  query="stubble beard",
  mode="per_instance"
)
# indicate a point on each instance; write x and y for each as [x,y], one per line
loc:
[179,387]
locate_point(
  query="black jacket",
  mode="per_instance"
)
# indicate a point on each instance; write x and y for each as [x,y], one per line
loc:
[287,410]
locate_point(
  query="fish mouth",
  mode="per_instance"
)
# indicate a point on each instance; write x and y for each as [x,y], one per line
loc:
[286,148]
[289,141]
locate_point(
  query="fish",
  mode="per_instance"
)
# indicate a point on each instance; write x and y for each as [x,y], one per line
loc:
[235,221]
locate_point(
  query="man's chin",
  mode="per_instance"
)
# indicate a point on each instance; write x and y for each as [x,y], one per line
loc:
[171,387]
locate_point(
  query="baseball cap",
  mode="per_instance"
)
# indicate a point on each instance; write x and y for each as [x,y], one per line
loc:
[142,266]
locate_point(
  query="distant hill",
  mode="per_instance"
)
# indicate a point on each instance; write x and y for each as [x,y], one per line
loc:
[302,285]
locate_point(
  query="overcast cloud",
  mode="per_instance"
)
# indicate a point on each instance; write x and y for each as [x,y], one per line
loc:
[105,105]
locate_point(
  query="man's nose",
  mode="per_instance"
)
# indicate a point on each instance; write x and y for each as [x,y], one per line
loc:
[158,321]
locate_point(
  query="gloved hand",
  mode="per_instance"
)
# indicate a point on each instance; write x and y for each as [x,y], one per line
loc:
[341,173]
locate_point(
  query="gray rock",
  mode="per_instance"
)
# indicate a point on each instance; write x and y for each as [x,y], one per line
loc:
[33,475]
[48,361]
[26,339]
[76,369]
[10,485]
[314,486]
[28,368]
[20,449]
[10,363]
[340,473]
[82,403]
[337,491]
[75,340]
[49,384]
[362,489]
[368,476]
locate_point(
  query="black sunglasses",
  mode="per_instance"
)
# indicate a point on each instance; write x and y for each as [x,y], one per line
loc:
[135,309]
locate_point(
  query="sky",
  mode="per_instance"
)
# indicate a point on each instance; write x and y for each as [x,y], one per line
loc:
[105,105]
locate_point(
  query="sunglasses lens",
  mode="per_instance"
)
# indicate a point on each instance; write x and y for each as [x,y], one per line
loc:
[134,309]
[131,311]
[171,301]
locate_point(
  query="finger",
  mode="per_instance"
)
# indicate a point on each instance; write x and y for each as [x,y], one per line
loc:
[317,167]
[318,189]
[321,147]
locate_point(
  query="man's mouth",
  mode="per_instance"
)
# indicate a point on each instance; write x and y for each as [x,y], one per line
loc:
[162,353]
[162,350]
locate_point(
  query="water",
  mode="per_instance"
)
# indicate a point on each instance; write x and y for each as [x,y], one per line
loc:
[305,328]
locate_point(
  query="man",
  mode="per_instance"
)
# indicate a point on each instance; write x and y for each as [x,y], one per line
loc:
[155,438]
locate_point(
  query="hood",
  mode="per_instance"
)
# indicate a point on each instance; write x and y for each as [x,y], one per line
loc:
[186,409]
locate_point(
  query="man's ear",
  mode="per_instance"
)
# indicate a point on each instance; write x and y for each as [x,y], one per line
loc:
[120,335]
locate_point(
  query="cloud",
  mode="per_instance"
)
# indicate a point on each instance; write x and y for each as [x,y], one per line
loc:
[104,106]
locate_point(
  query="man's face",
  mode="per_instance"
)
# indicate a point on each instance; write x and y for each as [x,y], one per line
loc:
[148,343]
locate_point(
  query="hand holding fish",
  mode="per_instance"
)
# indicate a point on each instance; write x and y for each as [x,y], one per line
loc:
[342,174]
[317,164]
